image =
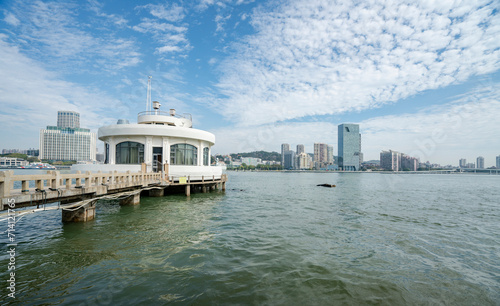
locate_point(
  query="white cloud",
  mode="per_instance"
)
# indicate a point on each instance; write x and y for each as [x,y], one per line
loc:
[316,57]
[52,30]
[166,49]
[468,127]
[31,97]
[172,37]
[96,7]
[220,21]
[172,13]
[11,19]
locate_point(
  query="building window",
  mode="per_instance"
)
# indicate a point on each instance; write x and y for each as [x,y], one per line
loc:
[205,156]
[129,152]
[106,153]
[183,154]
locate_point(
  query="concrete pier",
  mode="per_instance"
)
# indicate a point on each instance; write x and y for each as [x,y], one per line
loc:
[78,193]
[157,192]
[80,214]
[134,199]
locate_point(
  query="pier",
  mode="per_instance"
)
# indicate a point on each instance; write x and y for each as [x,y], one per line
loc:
[78,193]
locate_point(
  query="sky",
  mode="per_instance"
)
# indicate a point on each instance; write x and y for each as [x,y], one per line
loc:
[419,77]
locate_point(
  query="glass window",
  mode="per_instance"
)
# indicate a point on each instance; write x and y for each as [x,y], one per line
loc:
[206,158]
[183,154]
[129,152]
[106,153]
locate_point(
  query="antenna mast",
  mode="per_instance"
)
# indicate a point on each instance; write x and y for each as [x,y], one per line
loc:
[148,99]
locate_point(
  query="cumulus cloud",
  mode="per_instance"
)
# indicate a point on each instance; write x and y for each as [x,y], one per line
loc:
[316,57]
[170,36]
[11,19]
[53,29]
[31,97]
[172,13]
[221,21]
[467,126]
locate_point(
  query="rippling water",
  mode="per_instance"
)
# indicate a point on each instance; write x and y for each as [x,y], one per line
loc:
[275,238]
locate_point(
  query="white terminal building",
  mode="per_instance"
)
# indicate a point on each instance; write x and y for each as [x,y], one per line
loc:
[159,141]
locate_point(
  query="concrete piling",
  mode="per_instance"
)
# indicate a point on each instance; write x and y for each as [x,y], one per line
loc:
[82,214]
[134,199]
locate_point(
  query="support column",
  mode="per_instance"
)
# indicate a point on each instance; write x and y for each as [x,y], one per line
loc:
[200,153]
[131,200]
[148,152]
[156,192]
[82,214]
[188,190]
[112,151]
[204,188]
[7,184]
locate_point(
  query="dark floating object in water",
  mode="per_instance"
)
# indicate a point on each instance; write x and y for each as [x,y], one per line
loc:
[326,185]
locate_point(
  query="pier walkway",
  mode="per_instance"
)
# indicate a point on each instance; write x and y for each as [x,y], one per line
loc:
[77,193]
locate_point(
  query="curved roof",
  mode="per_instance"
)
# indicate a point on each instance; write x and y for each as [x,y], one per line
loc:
[154,130]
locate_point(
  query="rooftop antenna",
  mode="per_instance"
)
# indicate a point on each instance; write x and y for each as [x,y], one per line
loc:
[148,99]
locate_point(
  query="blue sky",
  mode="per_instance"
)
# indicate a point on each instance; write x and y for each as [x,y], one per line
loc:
[420,78]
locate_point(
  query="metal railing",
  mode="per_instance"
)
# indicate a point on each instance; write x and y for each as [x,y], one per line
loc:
[160,113]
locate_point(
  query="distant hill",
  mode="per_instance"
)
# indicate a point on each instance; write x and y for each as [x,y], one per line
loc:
[274,156]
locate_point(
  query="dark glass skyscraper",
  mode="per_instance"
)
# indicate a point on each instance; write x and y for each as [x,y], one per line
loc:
[349,142]
[285,147]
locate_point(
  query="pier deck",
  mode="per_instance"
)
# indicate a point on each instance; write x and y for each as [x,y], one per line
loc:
[71,190]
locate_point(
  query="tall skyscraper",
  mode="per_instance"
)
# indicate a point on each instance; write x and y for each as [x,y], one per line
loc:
[320,152]
[68,119]
[300,149]
[289,162]
[329,155]
[480,162]
[498,162]
[390,160]
[304,161]
[349,146]
[285,147]
[67,141]
[462,163]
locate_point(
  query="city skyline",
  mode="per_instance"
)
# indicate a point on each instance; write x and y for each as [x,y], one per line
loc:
[417,77]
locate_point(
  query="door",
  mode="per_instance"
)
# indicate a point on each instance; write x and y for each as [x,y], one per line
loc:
[157,159]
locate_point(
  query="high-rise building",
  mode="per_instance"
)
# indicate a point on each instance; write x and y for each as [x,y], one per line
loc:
[304,161]
[300,149]
[67,141]
[390,160]
[409,163]
[285,147]
[470,166]
[68,119]
[289,160]
[498,162]
[480,162]
[349,147]
[329,155]
[462,162]
[320,152]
